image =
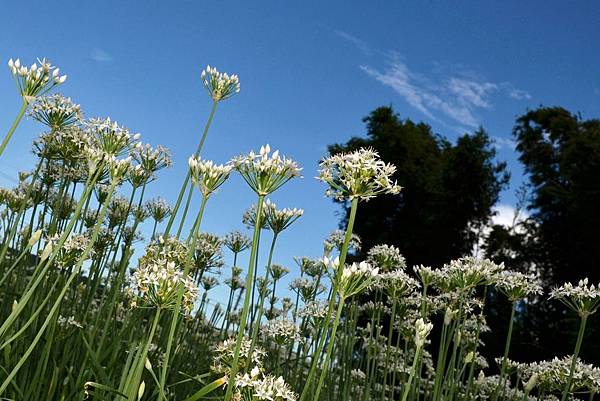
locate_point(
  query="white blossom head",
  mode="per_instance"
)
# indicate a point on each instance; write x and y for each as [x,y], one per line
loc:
[207,175]
[422,330]
[265,172]
[280,219]
[55,111]
[35,80]
[219,85]
[583,298]
[517,286]
[357,175]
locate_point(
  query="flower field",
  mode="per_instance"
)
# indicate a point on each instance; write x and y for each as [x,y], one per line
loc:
[82,318]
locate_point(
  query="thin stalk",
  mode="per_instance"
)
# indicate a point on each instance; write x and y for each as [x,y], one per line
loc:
[188,176]
[575,355]
[13,127]
[244,317]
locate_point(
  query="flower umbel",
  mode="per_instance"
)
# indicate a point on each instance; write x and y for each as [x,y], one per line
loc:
[360,174]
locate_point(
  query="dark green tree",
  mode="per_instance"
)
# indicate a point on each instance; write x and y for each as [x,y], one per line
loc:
[449,189]
[561,156]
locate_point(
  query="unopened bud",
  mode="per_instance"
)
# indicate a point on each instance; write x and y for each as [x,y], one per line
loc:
[141,390]
[47,251]
[34,238]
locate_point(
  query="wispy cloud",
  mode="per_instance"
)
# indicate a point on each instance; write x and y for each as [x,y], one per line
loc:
[519,94]
[459,96]
[358,43]
[100,55]
[504,143]
[456,98]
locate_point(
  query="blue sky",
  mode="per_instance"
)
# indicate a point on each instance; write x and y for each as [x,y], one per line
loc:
[309,72]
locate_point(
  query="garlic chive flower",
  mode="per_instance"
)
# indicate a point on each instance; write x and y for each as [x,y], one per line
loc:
[236,241]
[254,386]
[207,175]
[159,284]
[35,80]
[118,168]
[354,278]
[422,330]
[55,111]
[281,331]
[109,137]
[219,85]
[225,352]
[581,298]
[517,286]
[150,159]
[335,240]
[279,220]
[159,209]
[265,172]
[249,218]
[386,257]
[360,174]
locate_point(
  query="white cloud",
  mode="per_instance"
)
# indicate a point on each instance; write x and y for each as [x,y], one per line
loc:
[504,215]
[519,94]
[100,55]
[504,143]
[456,98]
[358,43]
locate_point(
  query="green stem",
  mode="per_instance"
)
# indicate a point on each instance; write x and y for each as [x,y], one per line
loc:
[506,349]
[244,317]
[13,127]
[325,328]
[575,355]
[187,178]
[176,310]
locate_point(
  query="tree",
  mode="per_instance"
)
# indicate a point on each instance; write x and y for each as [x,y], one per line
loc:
[561,156]
[449,189]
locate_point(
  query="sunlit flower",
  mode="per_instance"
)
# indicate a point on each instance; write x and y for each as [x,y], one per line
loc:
[159,285]
[517,285]
[581,298]
[55,111]
[110,138]
[386,257]
[237,242]
[280,219]
[354,278]
[208,176]
[360,174]
[282,331]
[220,85]
[265,172]
[422,330]
[159,209]
[35,80]
[225,351]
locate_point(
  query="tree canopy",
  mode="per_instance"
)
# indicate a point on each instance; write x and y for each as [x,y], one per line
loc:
[449,189]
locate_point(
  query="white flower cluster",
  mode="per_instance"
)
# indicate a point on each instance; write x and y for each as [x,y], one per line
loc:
[207,175]
[55,111]
[553,375]
[581,298]
[314,310]
[220,85]
[360,174]
[282,331]
[159,209]
[397,283]
[422,330]
[335,240]
[386,257]
[71,251]
[35,80]
[257,386]
[467,273]
[69,322]
[159,284]
[353,278]
[236,241]
[265,172]
[109,138]
[224,353]
[279,220]
[517,285]
[151,159]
